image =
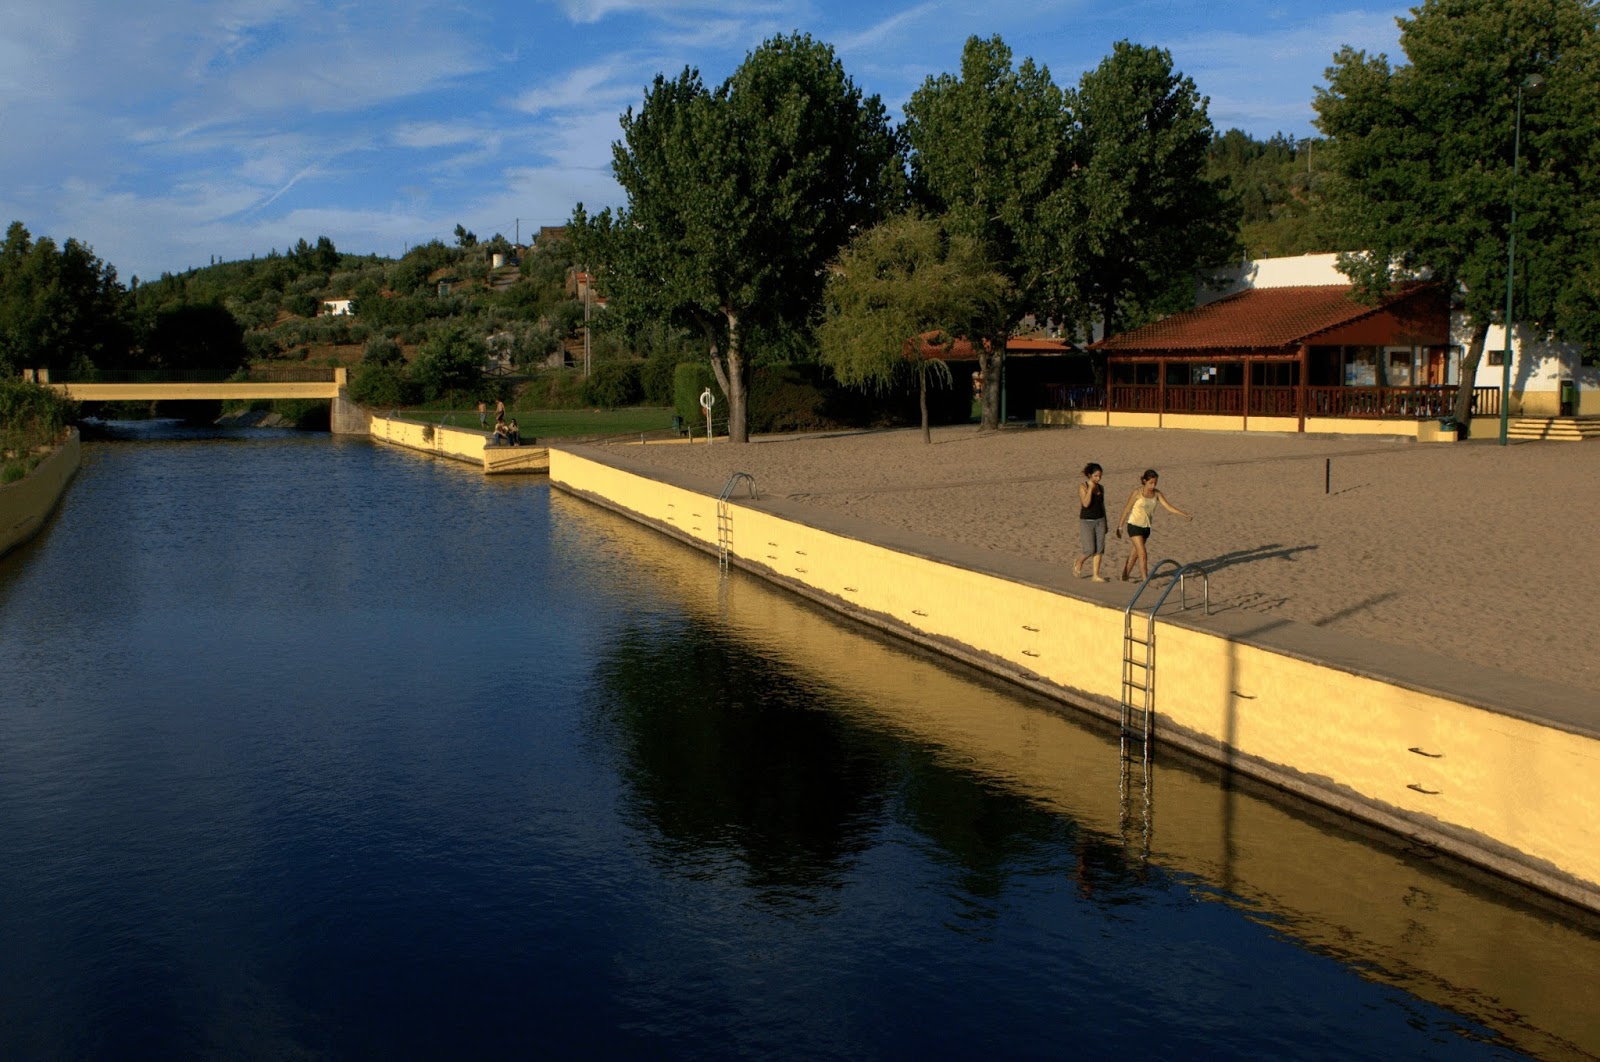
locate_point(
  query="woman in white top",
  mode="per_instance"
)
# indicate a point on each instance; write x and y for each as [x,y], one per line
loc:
[1136,516]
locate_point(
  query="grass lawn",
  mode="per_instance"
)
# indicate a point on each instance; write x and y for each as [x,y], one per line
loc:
[558,423]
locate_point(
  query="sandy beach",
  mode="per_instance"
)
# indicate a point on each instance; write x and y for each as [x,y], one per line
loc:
[1474,551]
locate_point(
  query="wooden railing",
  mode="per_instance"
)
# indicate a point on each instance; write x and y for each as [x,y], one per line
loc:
[1400,403]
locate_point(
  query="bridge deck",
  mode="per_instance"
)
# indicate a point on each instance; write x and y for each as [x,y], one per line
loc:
[179,392]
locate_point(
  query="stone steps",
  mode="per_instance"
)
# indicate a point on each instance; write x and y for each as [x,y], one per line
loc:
[1555,429]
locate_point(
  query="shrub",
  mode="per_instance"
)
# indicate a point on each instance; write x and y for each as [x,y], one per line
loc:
[382,385]
[381,350]
[790,398]
[612,384]
[31,415]
[689,380]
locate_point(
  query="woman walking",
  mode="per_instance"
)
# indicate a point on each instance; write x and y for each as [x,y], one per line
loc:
[1091,521]
[1136,515]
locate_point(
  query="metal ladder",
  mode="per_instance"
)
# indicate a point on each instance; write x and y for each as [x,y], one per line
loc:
[1139,690]
[725,515]
[1139,654]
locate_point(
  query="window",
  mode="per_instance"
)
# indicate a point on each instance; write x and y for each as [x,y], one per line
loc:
[1497,358]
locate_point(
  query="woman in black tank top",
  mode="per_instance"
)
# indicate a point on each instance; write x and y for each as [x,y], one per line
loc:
[1091,521]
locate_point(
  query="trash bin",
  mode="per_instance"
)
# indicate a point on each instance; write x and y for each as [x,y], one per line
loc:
[677,424]
[1448,426]
[1569,398]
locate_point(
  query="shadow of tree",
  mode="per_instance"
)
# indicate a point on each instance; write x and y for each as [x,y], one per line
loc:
[1344,613]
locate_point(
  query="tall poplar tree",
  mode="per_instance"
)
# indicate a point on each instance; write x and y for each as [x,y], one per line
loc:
[1423,158]
[1143,214]
[738,197]
[989,152]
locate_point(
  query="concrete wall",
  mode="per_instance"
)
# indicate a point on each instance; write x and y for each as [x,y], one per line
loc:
[459,444]
[27,503]
[1516,793]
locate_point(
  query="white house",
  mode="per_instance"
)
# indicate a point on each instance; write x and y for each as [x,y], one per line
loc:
[337,307]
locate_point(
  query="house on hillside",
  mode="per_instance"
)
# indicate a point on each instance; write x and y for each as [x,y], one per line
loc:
[1286,346]
[337,307]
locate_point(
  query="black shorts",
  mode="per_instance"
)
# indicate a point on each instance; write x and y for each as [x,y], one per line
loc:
[1135,531]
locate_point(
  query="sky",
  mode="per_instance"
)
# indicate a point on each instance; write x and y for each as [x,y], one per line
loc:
[170,133]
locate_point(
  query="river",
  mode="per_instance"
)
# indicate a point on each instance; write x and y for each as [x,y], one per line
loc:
[314,748]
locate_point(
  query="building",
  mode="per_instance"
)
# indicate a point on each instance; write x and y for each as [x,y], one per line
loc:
[1284,345]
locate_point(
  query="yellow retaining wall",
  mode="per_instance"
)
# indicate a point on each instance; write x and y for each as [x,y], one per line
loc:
[1515,796]
[459,444]
[25,504]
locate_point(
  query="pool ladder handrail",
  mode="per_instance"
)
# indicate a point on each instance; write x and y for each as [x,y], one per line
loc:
[725,515]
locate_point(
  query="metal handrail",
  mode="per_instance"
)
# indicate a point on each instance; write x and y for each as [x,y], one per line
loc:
[725,517]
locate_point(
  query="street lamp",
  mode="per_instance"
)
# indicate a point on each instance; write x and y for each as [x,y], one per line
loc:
[1532,84]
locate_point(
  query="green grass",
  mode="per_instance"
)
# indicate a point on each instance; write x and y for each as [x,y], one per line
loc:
[558,423]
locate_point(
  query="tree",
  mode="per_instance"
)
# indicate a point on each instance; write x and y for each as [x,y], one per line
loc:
[901,293]
[1141,216]
[1423,156]
[59,308]
[738,197]
[465,239]
[196,337]
[450,360]
[989,151]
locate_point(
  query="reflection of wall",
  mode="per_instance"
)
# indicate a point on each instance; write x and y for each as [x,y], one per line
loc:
[1519,971]
[1257,698]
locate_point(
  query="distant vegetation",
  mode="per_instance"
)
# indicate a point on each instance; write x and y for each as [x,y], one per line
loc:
[32,419]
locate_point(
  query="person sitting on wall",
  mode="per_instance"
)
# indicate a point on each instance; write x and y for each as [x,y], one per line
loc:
[513,434]
[500,434]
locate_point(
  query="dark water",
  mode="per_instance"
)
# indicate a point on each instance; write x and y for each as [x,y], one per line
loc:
[310,748]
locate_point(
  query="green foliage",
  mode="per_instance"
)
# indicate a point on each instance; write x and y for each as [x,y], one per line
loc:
[449,361]
[384,386]
[612,384]
[738,196]
[195,337]
[58,306]
[381,350]
[1142,213]
[1424,153]
[1277,185]
[31,416]
[689,381]
[902,292]
[990,152]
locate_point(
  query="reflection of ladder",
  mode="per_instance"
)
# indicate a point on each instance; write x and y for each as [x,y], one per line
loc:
[725,515]
[1139,679]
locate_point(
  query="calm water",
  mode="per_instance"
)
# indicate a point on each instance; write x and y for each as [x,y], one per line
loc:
[310,748]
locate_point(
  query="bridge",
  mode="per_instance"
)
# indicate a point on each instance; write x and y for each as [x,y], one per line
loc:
[157,385]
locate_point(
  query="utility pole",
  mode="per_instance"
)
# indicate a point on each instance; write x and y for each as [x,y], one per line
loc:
[588,283]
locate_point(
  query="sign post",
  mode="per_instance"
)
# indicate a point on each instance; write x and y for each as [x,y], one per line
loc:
[707,400]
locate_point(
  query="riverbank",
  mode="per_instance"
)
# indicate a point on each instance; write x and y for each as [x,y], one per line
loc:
[1437,748]
[26,504]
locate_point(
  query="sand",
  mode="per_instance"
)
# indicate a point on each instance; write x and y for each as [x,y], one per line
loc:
[1475,551]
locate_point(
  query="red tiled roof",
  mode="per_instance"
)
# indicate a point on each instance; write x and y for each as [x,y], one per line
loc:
[1256,319]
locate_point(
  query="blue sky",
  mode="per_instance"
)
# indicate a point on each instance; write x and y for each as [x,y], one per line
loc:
[166,132]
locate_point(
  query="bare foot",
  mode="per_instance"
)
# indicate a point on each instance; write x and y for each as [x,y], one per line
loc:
[1101,579]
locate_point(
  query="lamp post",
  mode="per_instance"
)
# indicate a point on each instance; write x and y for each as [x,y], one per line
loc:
[1531,84]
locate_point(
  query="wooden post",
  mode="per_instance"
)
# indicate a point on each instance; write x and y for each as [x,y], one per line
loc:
[1300,392]
[1161,392]
[1246,409]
